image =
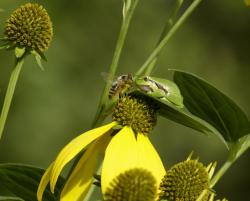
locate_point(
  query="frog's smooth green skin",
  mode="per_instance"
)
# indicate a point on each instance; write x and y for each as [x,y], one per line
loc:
[164,89]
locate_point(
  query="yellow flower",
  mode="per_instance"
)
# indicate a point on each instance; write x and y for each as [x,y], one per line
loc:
[134,184]
[127,150]
[187,181]
[247,2]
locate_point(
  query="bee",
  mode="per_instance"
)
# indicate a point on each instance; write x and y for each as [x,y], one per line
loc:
[120,85]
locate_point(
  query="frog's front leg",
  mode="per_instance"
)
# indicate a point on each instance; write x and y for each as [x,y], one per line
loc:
[158,94]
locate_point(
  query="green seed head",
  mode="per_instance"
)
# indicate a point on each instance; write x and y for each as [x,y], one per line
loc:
[185,181]
[136,112]
[29,26]
[133,185]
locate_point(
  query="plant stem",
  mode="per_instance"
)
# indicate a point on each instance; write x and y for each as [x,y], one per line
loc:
[166,29]
[92,188]
[9,93]
[220,173]
[115,61]
[165,40]
[230,160]
[100,114]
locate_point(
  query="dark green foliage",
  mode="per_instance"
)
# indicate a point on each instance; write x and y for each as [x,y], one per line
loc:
[211,105]
[23,181]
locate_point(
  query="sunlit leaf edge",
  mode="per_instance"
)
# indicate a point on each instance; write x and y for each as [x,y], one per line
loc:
[8,198]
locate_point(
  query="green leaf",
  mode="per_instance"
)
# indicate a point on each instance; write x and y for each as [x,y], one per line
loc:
[211,105]
[23,181]
[4,39]
[8,46]
[39,58]
[19,52]
[182,116]
[5,46]
[5,198]
[240,146]
[43,57]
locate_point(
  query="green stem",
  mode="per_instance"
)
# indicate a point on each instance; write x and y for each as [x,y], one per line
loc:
[100,114]
[115,61]
[9,93]
[165,40]
[166,28]
[220,173]
[92,188]
[231,159]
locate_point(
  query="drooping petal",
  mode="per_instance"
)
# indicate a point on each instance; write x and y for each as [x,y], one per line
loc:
[44,182]
[73,148]
[149,158]
[127,151]
[81,178]
[120,156]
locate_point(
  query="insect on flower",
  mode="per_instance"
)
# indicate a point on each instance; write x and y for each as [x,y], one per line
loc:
[159,88]
[120,85]
[130,159]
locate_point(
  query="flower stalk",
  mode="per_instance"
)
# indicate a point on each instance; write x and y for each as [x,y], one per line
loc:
[10,92]
[148,63]
[168,25]
[28,30]
[128,11]
[224,168]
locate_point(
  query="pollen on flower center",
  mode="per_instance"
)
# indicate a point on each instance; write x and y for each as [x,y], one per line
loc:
[133,185]
[29,26]
[185,181]
[136,112]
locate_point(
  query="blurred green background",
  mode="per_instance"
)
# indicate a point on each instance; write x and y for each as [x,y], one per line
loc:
[52,107]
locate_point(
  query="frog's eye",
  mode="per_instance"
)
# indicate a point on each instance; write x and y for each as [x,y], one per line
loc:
[145,79]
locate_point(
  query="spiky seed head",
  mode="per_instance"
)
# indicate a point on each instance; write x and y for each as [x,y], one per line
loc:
[133,185]
[185,181]
[29,26]
[137,112]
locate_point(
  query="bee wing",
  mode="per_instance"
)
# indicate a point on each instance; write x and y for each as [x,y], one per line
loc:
[106,77]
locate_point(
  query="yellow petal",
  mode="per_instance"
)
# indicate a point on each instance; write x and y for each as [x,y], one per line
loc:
[81,178]
[73,148]
[247,2]
[120,156]
[126,152]
[149,158]
[44,182]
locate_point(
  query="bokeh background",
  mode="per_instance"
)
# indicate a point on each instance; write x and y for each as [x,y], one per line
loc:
[52,107]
